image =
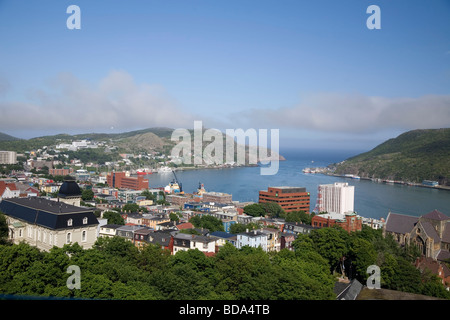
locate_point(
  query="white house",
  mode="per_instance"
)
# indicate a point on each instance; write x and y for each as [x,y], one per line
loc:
[253,238]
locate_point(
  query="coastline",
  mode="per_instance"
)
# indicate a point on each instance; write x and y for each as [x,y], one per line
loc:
[379,180]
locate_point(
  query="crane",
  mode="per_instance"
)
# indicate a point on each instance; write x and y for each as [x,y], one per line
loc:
[176,181]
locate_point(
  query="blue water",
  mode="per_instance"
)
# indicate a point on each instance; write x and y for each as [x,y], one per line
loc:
[372,200]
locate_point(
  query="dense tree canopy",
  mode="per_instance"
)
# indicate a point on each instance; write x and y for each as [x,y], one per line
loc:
[115,269]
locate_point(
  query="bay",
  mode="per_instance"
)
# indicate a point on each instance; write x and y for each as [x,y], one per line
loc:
[372,199]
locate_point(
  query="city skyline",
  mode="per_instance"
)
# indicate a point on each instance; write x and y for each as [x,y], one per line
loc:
[313,70]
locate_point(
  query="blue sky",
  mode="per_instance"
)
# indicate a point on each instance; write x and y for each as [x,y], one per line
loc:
[309,68]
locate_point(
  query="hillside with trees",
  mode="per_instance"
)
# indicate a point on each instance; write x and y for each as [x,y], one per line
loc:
[413,156]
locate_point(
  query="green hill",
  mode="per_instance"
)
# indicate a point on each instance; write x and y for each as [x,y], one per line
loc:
[7,137]
[145,140]
[413,156]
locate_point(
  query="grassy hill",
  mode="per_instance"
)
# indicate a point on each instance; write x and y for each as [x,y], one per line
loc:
[413,156]
[145,140]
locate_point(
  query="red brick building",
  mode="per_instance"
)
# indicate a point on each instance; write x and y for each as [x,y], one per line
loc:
[60,172]
[289,198]
[349,221]
[120,180]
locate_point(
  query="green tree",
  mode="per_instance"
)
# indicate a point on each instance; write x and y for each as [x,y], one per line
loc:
[208,222]
[113,217]
[3,228]
[87,194]
[174,217]
[117,247]
[240,227]
[148,195]
[152,258]
[330,244]
[272,209]
[130,207]
[254,210]
[298,216]
[362,255]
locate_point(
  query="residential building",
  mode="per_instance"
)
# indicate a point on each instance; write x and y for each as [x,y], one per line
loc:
[8,157]
[45,223]
[222,237]
[8,190]
[253,238]
[151,221]
[181,242]
[429,232]
[133,218]
[219,197]
[128,196]
[162,239]
[120,180]
[141,237]
[289,198]
[178,200]
[109,230]
[337,197]
[297,228]
[441,270]
[60,172]
[286,240]
[184,242]
[349,221]
[205,244]
[273,239]
[128,231]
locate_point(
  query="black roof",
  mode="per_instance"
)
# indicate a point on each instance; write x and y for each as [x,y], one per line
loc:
[47,213]
[69,188]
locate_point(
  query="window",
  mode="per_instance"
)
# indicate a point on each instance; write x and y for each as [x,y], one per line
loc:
[69,237]
[69,222]
[83,235]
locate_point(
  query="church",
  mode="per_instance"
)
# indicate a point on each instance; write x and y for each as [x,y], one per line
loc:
[430,233]
[46,223]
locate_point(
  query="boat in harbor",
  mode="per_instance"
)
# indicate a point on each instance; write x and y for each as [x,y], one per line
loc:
[164,169]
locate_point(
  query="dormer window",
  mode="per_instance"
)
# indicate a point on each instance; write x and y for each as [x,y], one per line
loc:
[69,222]
[85,220]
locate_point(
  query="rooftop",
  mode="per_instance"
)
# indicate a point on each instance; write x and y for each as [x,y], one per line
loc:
[48,213]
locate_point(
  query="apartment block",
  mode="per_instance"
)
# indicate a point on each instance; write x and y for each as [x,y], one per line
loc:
[8,157]
[337,197]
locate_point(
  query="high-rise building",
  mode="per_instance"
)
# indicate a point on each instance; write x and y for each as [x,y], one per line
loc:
[337,198]
[8,157]
[289,198]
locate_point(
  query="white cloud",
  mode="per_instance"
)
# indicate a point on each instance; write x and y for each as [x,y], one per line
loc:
[116,101]
[352,113]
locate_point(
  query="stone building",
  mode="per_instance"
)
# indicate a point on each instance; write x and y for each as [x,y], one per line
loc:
[430,233]
[45,223]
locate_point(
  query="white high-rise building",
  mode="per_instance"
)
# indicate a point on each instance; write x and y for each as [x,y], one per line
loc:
[337,197]
[8,157]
